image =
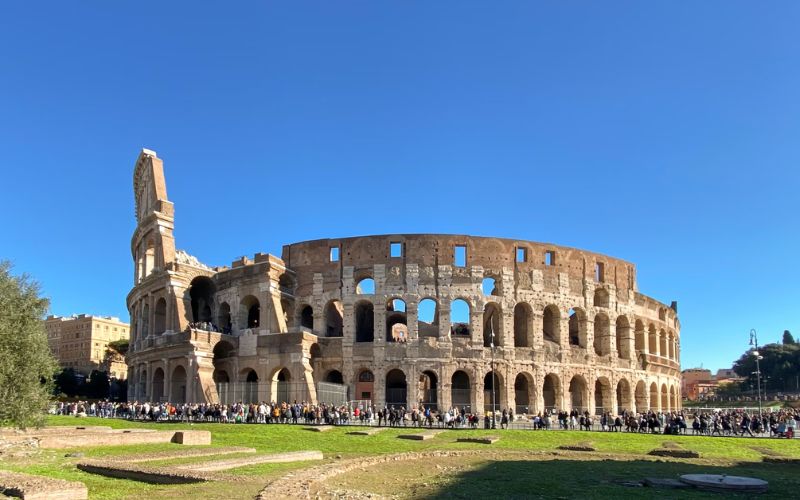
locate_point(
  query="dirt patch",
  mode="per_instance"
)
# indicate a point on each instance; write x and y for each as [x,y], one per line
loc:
[583,446]
[28,486]
[674,453]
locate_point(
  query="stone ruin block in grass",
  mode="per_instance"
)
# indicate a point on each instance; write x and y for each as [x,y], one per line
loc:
[192,437]
[584,446]
[31,487]
[479,440]
[320,428]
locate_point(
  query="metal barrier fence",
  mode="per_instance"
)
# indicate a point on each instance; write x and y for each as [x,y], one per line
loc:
[330,393]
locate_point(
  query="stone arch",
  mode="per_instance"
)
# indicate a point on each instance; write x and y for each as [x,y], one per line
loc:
[334,377]
[224,318]
[146,321]
[673,398]
[460,390]
[460,310]
[641,397]
[396,321]
[551,392]
[492,316]
[307,317]
[578,393]
[334,319]
[142,392]
[603,396]
[428,389]
[201,294]
[551,324]
[601,298]
[157,385]
[249,312]
[654,396]
[493,391]
[221,376]
[639,336]
[396,388]
[524,397]
[365,385]
[624,399]
[602,335]
[489,286]
[365,286]
[428,318]
[365,321]
[664,398]
[280,385]
[662,342]
[160,316]
[623,334]
[523,315]
[178,385]
[577,327]
[224,353]
[652,345]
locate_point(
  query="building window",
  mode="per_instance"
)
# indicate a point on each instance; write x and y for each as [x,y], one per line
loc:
[550,258]
[334,254]
[395,249]
[460,256]
[522,255]
[599,272]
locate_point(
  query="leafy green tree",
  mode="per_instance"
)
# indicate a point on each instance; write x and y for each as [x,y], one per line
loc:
[98,385]
[26,364]
[66,383]
[787,337]
[779,364]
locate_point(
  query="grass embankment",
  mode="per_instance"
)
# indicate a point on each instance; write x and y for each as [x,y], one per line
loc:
[520,464]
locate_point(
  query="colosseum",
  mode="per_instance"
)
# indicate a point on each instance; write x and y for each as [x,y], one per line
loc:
[400,319]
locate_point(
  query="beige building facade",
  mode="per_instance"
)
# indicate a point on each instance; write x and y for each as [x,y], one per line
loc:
[80,341]
[404,319]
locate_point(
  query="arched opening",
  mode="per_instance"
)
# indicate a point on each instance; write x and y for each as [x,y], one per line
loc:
[396,321]
[286,283]
[639,337]
[280,386]
[578,393]
[601,297]
[249,385]
[491,325]
[662,337]
[364,386]
[365,286]
[428,387]
[641,397]
[653,344]
[523,394]
[602,335]
[201,291]
[654,396]
[428,318]
[334,377]
[307,317]
[250,313]
[673,398]
[522,319]
[158,385]
[493,397]
[551,392]
[489,286]
[160,316]
[670,346]
[146,321]
[221,377]
[551,324]
[178,385]
[460,392]
[142,392]
[603,401]
[623,335]
[334,322]
[224,318]
[459,318]
[149,259]
[623,396]
[396,389]
[365,322]
[577,328]
[664,398]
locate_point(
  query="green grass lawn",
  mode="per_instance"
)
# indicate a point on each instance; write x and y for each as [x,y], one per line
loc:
[622,455]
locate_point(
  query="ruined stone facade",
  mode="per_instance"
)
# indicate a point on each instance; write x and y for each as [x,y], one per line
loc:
[440,320]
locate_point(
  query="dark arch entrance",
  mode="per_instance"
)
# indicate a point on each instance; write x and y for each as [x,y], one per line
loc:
[428,387]
[460,393]
[396,389]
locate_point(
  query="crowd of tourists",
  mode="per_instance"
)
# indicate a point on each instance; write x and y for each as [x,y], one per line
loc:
[781,423]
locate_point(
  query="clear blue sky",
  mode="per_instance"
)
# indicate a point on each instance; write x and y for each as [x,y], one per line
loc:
[668,135]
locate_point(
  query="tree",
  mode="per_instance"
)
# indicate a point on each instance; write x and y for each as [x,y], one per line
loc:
[66,383]
[98,385]
[787,337]
[26,365]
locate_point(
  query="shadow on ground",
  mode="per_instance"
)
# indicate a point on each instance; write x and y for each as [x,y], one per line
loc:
[603,479]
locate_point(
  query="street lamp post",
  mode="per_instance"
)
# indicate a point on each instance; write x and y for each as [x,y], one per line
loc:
[494,389]
[754,343]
